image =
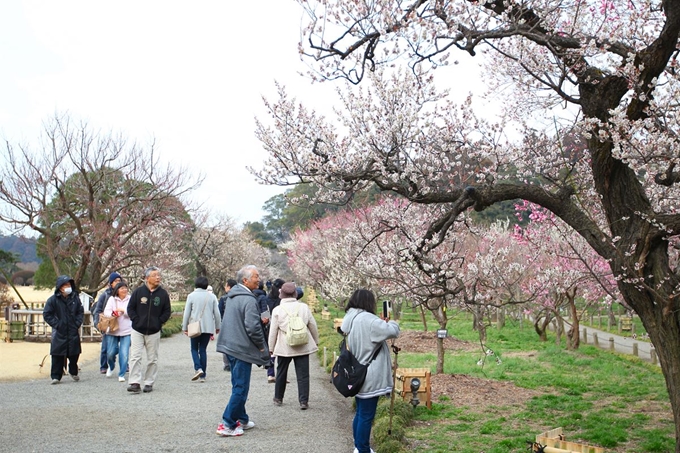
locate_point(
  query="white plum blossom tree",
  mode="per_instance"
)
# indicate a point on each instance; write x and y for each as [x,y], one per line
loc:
[601,71]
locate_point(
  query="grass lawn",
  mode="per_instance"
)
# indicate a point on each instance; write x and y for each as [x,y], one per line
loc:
[599,398]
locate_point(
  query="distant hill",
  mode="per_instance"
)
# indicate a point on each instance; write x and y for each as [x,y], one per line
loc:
[21,246]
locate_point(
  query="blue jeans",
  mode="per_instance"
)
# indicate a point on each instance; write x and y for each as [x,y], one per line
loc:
[240,386]
[363,421]
[199,353]
[103,355]
[118,346]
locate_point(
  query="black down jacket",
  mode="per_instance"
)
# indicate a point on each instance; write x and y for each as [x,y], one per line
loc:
[65,315]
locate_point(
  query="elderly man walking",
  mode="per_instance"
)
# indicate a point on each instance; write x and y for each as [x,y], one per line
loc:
[149,308]
[242,340]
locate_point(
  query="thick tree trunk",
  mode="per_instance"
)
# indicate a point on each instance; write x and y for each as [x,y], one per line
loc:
[440,356]
[541,327]
[573,336]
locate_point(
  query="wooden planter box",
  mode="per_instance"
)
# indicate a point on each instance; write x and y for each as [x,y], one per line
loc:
[403,384]
[11,330]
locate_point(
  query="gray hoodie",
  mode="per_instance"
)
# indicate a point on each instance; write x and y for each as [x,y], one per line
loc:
[365,331]
[242,335]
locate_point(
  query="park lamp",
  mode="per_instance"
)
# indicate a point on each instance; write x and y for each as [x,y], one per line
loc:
[442,333]
[415,385]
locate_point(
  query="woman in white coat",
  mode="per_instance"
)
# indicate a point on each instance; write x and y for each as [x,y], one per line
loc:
[201,306]
[284,353]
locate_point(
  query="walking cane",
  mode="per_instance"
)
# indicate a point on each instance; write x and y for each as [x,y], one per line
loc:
[396,350]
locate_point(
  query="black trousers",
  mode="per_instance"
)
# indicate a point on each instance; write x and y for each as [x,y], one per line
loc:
[59,362]
[301,371]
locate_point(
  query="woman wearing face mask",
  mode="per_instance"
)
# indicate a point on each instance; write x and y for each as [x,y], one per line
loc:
[118,340]
[64,313]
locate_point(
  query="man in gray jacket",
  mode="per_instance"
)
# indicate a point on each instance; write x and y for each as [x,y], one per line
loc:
[242,339]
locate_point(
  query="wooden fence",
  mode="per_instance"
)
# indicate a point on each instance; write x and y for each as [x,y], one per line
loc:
[36,329]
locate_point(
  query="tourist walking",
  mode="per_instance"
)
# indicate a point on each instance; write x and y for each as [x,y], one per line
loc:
[223,300]
[201,307]
[118,340]
[242,340]
[366,334]
[278,344]
[114,279]
[149,308]
[64,313]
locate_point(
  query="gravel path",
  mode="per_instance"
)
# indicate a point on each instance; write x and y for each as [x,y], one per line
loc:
[97,414]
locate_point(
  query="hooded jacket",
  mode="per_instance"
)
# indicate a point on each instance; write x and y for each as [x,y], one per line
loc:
[149,310]
[242,335]
[366,332]
[65,315]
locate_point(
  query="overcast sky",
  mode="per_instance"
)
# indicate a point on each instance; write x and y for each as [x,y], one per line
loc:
[188,74]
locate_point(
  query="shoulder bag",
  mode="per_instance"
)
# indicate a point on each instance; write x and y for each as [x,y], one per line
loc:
[194,328]
[348,374]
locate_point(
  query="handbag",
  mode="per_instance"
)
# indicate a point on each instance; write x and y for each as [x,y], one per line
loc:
[348,374]
[194,328]
[107,324]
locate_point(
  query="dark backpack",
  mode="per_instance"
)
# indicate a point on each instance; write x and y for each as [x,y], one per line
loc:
[348,375]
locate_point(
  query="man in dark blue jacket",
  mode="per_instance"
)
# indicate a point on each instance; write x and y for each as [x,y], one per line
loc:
[149,308]
[64,313]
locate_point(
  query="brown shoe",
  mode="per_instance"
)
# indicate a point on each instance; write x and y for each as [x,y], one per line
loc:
[134,388]
[304,406]
[148,389]
[278,402]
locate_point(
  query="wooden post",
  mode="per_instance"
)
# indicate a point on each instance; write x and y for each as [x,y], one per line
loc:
[325,356]
[591,320]
[585,336]
[620,326]
[635,349]
[652,353]
[595,340]
[609,323]
[611,344]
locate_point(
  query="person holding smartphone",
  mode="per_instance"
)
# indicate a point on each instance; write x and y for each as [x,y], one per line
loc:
[367,332]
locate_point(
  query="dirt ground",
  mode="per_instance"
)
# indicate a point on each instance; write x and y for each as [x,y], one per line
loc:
[465,390]
[21,360]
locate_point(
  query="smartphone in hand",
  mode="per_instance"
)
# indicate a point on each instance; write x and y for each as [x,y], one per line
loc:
[385,309]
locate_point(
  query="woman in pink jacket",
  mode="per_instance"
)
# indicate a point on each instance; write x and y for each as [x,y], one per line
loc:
[119,339]
[284,353]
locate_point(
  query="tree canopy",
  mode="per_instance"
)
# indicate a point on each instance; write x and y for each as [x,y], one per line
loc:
[603,74]
[98,202]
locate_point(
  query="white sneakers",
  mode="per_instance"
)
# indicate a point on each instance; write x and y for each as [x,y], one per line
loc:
[223,431]
[249,425]
[109,372]
[198,374]
[121,379]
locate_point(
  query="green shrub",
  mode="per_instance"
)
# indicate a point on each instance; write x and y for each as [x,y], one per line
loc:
[173,326]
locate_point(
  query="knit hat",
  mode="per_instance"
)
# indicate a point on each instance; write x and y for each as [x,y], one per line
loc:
[278,283]
[287,291]
[113,276]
